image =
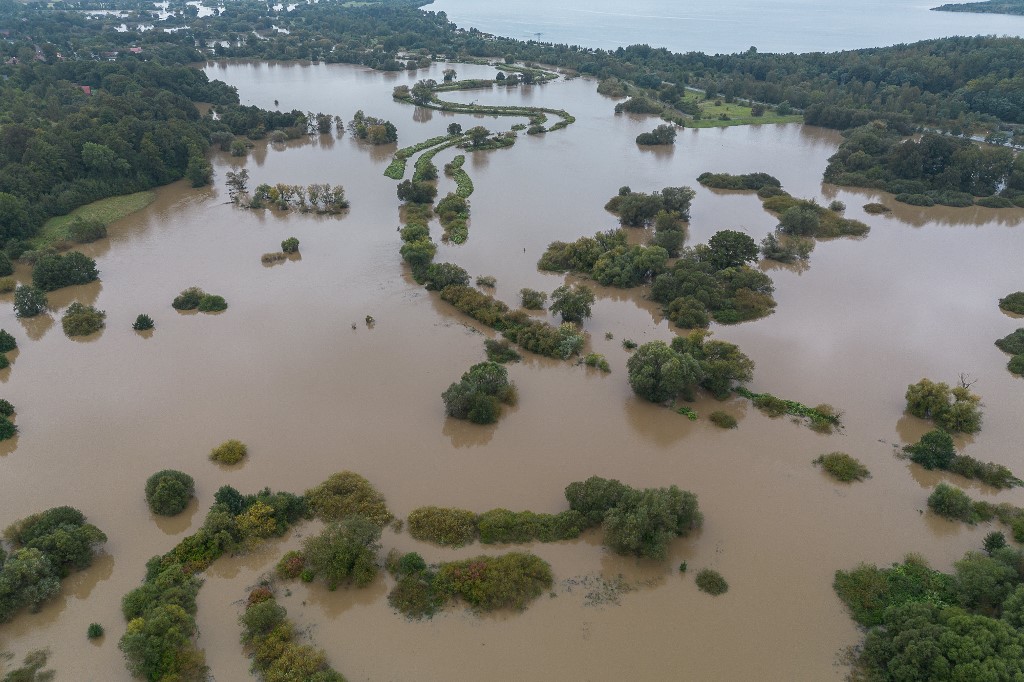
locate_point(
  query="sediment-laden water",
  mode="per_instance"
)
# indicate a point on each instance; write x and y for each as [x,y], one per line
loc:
[284,371]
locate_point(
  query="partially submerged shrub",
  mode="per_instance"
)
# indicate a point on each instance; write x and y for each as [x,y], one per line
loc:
[56,271]
[85,231]
[94,631]
[1013,303]
[188,299]
[495,582]
[6,408]
[29,301]
[82,320]
[598,361]
[532,299]
[446,526]
[344,553]
[7,341]
[843,467]
[1012,343]
[486,281]
[875,208]
[952,503]
[168,492]
[211,303]
[229,452]
[711,581]
[956,409]
[723,420]
[142,323]
[274,257]
[291,565]
[344,494]
[290,245]
[8,429]
[501,351]
[479,394]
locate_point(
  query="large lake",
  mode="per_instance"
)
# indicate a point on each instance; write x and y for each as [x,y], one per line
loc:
[725,26]
[284,370]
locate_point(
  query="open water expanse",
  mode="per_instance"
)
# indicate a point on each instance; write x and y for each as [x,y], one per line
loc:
[284,370]
[725,26]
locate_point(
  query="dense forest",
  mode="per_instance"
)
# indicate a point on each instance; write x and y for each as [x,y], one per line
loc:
[987,7]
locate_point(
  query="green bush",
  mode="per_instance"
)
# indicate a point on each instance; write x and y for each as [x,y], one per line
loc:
[415,596]
[188,299]
[711,581]
[440,275]
[29,301]
[598,361]
[952,503]
[933,451]
[486,281]
[6,267]
[229,452]
[55,271]
[501,351]
[868,591]
[6,408]
[7,284]
[290,245]
[277,656]
[594,497]
[508,527]
[168,492]
[291,565]
[1016,364]
[875,208]
[85,231]
[82,320]
[532,299]
[955,410]
[142,323]
[8,429]
[723,420]
[843,467]
[211,303]
[7,342]
[644,521]
[479,393]
[345,494]
[1013,303]
[995,475]
[443,525]
[658,374]
[95,631]
[345,552]
[495,582]
[1012,343]
[573,303]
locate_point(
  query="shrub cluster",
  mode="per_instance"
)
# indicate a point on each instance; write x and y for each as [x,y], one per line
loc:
[508,527]
[803,218]
[953,503]
[822,418]
[597,361]
[533,299]
[229,452]
[723,420]
[518,327]
[969,623]
[273,640]
[639,522]
[659,372]
[320,198]
[344,553]
[372,129]
[84,231]
[159,642]
[440,275]
[47,547]
[843,467]
[1014,345]
[955,410]
[638,209]
[501,351]
[453,214]
[747,181]
[935,450]
[348,494]
[1013,303]
[664,134]
[142,323]
[479,394]
[168,492]
[446,526]
[876,208]
[82,320]
[711,581]
[29,301]
[52,272]
[195,298]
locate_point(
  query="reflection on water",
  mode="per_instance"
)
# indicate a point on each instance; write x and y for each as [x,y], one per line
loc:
[283,370]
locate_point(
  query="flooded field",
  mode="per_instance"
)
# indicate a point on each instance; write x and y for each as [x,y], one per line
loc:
[292,370]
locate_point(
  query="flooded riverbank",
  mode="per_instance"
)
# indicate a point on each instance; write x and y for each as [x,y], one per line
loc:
[284,371]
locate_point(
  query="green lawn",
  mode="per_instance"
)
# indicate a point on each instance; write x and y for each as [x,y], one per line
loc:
[106,210]
[738,114]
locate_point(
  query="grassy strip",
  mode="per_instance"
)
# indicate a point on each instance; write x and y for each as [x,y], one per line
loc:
[463,183]
[822,418]
[743,121]
[106,211]
[427,158]
[396,169]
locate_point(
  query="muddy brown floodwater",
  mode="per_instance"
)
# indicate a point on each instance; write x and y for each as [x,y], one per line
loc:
[284,371]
